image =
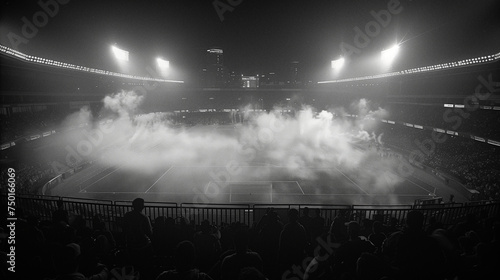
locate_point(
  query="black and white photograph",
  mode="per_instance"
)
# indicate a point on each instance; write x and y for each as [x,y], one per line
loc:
[250,139]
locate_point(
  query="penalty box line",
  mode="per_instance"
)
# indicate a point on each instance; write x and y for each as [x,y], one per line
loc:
[418,185]
[221,183]
[354,183]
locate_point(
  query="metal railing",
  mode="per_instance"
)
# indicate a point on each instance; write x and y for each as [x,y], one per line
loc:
[112,212]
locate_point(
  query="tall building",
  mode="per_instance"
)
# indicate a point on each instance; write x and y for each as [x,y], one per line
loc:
[250,81]
[214,74]
[234,79]
[293,74]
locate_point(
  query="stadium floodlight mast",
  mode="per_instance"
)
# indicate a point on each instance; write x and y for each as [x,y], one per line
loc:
[119,53]
[163,64]
[389,54]
[338,63]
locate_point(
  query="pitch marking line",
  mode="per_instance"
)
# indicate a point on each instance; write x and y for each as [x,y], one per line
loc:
[257,166]
[352,181]
[100,179]
[418,185]
[236,182]
[159,179]
[83,190]
[84,179]
[300,187]
[408,179]
[288,194]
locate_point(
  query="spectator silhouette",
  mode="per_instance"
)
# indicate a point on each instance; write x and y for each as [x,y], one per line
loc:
[99,228]
[377,237]
[60,215]
[138,231]
[232,265]
[293,242]
[433,225]
[338,229]
[29,243]
[415,250]
[160,239]
[184,259]
[317,224]
[320,266]
[66,263]
[207,246]
[269,238]
[349,251]
[165,236]
[392,227]
[306,221]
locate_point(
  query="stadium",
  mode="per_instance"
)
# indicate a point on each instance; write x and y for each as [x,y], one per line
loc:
[208,144]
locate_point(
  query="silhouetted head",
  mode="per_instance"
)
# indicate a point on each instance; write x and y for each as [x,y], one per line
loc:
[185,255]
[138,204]
[317,211]
[205,226]
[293,215]
[353,229]
[377,227]
[415,220]
[305,211]
[241,240]
[273,216]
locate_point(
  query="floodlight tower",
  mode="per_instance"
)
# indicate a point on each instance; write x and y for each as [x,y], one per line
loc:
[389,54]
[163,66]
[338,63]
[119,53]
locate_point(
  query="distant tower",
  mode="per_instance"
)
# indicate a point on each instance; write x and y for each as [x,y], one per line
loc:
[293,75]
[214,68]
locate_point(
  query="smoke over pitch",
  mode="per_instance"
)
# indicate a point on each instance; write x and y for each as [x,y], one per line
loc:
[300,145]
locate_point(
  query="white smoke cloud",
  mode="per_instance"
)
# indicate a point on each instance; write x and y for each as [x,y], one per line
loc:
[299,144]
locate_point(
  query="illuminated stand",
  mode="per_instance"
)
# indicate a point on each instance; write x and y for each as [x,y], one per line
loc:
[43,61]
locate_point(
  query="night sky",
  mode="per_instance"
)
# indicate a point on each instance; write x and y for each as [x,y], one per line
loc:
[257,36]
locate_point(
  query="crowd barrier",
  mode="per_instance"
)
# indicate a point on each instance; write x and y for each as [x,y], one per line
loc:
[112,212]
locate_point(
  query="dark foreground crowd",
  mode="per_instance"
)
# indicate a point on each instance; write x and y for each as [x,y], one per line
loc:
[67,247]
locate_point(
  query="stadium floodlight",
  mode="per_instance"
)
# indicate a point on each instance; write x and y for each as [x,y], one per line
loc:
[337,64]
[119,53]
[163,64]
[389,54]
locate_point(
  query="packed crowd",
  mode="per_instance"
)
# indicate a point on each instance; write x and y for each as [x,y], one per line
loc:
[206,118]
[29,178]
[35,120]
[475,164]
[303,247]
[479,122]
[26,123]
